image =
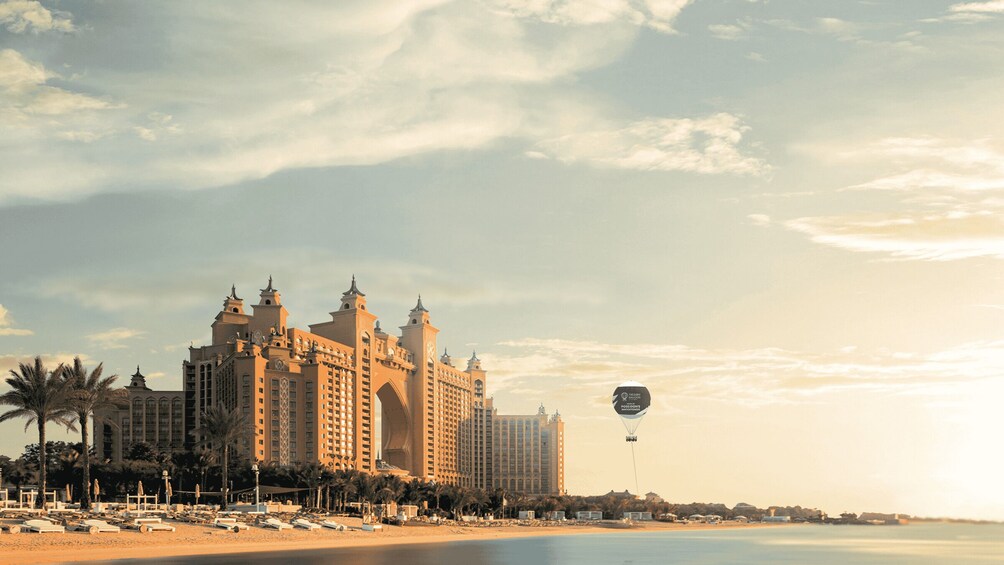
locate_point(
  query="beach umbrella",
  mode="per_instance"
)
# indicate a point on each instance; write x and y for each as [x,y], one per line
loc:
[97,489]
[69,494]
[198,492]
[139,490]
[170,491]
[631,401]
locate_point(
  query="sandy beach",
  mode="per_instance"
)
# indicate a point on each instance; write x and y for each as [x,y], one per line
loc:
[192,539]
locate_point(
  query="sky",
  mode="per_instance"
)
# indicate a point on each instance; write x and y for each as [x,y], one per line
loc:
[786,218]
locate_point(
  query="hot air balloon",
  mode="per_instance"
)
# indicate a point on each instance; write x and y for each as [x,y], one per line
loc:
[631,401]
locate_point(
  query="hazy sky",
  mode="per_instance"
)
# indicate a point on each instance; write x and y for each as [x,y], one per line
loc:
[785,217]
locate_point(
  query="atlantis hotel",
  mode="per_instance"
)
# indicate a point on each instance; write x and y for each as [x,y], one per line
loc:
[311,396]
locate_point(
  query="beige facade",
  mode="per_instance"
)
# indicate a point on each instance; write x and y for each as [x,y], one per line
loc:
[312,394]
[153,417]
[528,453]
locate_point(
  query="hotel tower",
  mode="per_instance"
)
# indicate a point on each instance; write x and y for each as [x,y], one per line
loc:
[311,395]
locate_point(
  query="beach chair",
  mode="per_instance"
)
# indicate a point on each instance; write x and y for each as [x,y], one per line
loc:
[145,525]
[230,524]
[372,527]
[11,529]
[332,525]
[42,526]
[275,524]
[306,524]
[96,526]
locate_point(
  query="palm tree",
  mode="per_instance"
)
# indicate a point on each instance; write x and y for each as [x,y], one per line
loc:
[40,396]
[92,393]
[221,428]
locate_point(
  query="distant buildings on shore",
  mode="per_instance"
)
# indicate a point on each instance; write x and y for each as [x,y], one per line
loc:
[311,395]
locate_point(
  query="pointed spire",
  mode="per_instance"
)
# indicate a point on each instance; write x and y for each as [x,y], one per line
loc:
[233,293]
[353,289]
[474,356]
[269,287]
[138,374]
[418,307]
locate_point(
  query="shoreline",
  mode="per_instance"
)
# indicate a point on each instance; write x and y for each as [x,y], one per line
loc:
[193,540]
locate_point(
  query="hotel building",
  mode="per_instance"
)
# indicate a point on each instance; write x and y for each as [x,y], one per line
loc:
[311,395]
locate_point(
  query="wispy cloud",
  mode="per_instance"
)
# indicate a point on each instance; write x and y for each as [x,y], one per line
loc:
[398,80]
[10,362]
[931,236]
[24,92]
[304,274]
[991,7]
[950,208]
[730,32]
[709,145]
[115,338]
[742,377]
[656,14]
[7,325]
[20,16]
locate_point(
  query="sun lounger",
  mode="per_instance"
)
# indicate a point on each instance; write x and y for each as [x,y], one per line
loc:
[150,525]
[96,526]
[230,524]
[372,527]
[275,524]
[306,524]
[12,529]
[43,526]
[331,525]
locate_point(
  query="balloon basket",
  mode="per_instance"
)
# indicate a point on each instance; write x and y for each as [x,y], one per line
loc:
[631,438]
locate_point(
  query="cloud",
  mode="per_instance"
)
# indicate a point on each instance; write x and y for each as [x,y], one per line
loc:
[730,32]
[992,7]
[751,377]
[761,220]
[50,360]
[301,275]
[114,338]
[708,145]
[393,81]
[930,236]
[23,92]
[656,14]
[7,323]
[950,207]
[19,16]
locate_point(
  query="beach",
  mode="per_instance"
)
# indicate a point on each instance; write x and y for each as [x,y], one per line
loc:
[198,539]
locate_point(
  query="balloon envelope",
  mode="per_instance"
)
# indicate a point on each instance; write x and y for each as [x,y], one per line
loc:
[631,400]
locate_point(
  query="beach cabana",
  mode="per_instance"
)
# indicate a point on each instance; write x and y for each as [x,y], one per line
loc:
[306,524]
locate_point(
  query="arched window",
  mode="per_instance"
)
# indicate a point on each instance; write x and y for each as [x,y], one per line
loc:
[233,309]
[268,302]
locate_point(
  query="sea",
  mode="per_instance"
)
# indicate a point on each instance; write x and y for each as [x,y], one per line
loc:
[915,544]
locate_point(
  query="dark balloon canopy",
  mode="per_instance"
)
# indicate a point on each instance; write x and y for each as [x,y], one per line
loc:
[631,400]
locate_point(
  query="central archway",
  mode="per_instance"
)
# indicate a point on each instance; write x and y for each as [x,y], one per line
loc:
[395,427]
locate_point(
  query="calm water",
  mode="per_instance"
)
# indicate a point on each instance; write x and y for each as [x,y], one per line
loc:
[918,544]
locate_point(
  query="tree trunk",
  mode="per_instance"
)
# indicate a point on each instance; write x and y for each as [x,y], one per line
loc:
[226,491]
[85,493]
[40,501]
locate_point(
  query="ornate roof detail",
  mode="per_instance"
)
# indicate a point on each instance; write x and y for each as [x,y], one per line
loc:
[353,289]
[418,307]
[474,356]
[269,287]
[233,293]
